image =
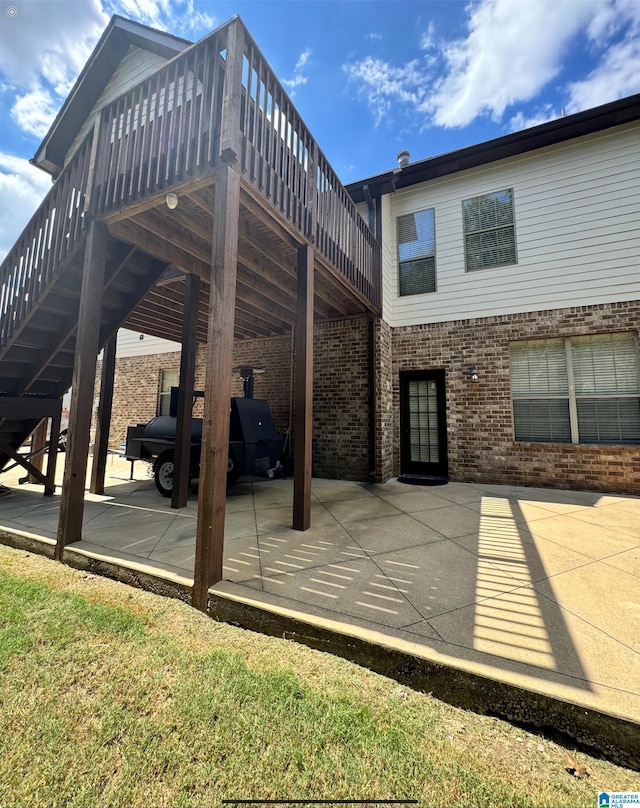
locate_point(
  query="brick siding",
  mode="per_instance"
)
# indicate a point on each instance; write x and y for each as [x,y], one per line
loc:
[479,415]
[341,392]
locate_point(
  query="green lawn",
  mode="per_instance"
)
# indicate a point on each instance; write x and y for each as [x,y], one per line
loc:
[115,697]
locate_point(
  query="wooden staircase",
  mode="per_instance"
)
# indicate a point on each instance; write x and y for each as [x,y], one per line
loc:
[40,286]
[215,108]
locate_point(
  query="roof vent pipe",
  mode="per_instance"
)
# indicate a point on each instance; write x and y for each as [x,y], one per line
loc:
[403,158]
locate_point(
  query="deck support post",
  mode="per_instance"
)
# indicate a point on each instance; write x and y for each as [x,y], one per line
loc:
[304,391]
[217,395]
[84,375]
[52,458]
[182,456]
[105,405]
[38,442]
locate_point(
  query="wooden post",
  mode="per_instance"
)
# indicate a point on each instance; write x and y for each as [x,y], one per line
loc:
[232,95]
[38,442]
[101,443]
[182,457]
[52,460]
[84,374]
[304,391]
[217,394]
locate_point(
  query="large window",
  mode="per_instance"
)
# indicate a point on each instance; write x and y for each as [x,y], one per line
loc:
[489,230]
[576,390]
[169,377]
[417,252]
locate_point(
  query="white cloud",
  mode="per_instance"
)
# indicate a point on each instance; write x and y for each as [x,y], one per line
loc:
[150,12]
[22,188]
[34,111]
[428,38]
[512,51]
[374,37]
[617,75]
[383,84]
[543,115]
[39,69]
[298,77]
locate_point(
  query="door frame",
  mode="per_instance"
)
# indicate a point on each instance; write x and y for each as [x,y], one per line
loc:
[409,467]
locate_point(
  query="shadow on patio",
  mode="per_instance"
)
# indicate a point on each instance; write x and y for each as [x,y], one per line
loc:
[512,584]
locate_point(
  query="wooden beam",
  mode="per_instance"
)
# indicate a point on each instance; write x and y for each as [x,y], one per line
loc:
[52,460]
[101,443]
[270,217]
[219,362]
[84,374]
[136,235]
[186,188]
[182,455]
[165,227]
[21,409]
[9,451]
[38,442]
[304,391]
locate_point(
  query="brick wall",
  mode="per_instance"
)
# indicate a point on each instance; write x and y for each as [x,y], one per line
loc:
[341,393]
[479,416]
[341,399]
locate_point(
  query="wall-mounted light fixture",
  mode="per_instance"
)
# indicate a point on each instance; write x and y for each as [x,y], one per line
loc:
[473,373]
[172,200]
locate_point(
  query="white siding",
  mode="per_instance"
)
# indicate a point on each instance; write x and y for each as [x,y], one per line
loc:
[130,344]
[577,210]
[389,260]
[135,66]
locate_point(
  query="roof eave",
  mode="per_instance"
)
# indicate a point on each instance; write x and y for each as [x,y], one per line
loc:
[560,130]
[119,34]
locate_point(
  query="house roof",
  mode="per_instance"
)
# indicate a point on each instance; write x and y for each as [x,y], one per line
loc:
[546,134]
[118,36]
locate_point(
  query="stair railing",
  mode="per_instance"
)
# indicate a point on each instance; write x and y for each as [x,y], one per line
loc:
[51,236]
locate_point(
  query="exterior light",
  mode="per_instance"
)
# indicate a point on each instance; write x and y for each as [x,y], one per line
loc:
[473,373]
[172,200]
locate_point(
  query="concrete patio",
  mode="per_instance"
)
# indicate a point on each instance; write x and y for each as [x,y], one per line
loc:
[535,588]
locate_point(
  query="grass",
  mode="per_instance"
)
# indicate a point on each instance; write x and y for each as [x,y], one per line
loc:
[116,697]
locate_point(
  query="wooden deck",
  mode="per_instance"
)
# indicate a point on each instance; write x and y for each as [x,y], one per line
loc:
[261,220]
[172,131]
[169,134]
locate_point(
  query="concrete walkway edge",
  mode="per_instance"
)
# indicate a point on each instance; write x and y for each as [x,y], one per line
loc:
[614,737]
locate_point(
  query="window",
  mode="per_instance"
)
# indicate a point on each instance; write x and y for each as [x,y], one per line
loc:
[576,390]
[170,377]
[489,230]
[417,252]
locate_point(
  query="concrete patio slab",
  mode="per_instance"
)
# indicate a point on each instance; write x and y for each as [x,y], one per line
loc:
[529,588]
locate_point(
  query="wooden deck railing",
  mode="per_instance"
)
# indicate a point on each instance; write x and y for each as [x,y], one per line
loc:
[174,125]
[163,131]
[284,164]
[52,234]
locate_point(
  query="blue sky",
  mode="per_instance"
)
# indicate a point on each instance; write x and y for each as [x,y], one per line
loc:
[369,77]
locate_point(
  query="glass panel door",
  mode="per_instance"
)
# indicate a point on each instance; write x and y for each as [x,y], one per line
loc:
[423,423]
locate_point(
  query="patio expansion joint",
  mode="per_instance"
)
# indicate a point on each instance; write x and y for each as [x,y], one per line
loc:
[621,529]
[582,619]
[396,588]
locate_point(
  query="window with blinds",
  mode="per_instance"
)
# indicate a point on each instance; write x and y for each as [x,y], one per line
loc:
[169,377]
[489,230]
[417,252]
[576,390]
